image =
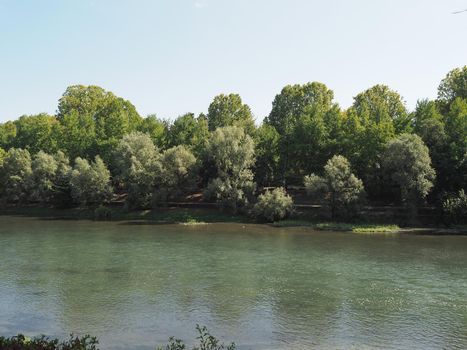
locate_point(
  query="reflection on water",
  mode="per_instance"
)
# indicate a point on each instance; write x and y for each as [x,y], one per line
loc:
[262,287]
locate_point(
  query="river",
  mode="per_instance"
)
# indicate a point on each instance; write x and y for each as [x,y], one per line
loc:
[133,285]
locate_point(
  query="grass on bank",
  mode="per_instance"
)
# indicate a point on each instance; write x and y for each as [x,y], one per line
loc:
[189,217]
[339,226]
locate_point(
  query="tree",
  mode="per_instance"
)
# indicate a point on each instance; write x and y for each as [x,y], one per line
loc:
[178,173]
[156,129]
[44,169]
[343,190]
[189,131]
[15,175]
[137,163]
[114,120]
[273,205]
[36,133]
[229,110]
[2,156]
[453,85]
[90,182]
[61,187]
[267,141]
[232,153]
[7,134]
[380,103]
[77,134]
[429,124]
[299,114]
[407,160]
[100,117]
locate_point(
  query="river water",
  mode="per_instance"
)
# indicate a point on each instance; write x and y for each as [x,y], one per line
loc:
[133,285]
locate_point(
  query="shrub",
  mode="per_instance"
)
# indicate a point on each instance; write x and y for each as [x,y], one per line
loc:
[455,208]
[273,205]
[20,342]
[206,342]
[102,213]
[343,190]
[90,182]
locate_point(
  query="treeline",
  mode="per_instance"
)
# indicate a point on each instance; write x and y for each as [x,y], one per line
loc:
[97,145]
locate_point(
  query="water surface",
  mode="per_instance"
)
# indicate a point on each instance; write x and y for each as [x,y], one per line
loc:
[262,287]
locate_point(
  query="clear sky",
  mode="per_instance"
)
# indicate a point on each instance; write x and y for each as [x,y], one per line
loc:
[173,56]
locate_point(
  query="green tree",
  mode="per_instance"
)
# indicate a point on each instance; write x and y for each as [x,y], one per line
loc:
[229,110]
[61,187]
[407,160]
[156,129]
[36,133]
[299,114]
[99,116]
[343,190]
[178,174]
[273,205]
[375,117]
[90,182]
[189,131]
[77,134]
[267,141]
[15,175]
[7,134]
[232,153]
[380,103]
[44,170]
[429,124]
[453,85]
[2,156]
[137,163]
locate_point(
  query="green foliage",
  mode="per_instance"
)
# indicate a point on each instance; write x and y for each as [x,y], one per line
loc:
[20,342]
[189,131]
[44,170]
[61,187]
[379,103]
[302,115]
[232,152]
[94,120]
[7,134]
[267,141]
[156,129]
[455,208]
[2,156]
[102,213]
[90,182]
[36,133]
[15,175]
[343,190]
[178,173]
[137,163]
[454,85]
[206,342]
[407,160]
[273,205]
[229,110]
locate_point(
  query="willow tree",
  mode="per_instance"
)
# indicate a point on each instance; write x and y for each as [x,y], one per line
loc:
[407,160]
[233,154]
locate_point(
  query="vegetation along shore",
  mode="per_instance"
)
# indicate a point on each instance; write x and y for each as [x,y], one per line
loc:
[309,161]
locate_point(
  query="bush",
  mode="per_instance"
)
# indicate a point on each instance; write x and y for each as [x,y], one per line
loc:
[273,205]
[102,213]
[341,188]
[20,342]
[455,208]
[206,342]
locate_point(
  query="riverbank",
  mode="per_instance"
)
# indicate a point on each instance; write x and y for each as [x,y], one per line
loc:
[200,216]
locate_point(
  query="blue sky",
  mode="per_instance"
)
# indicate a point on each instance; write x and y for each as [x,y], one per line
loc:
[173,56]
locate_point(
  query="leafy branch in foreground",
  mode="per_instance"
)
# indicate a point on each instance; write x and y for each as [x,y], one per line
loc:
[206,342]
